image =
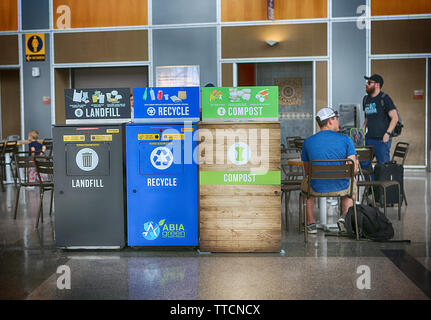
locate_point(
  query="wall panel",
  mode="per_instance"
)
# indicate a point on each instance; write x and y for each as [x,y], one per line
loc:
[249,10]
[294,40]
[401,88]
[103,13]
[321,85]
[401,36]
[398,7]
[227,74]
[8,15]
[62,81]
[9,49]
[101,46]
[10,102]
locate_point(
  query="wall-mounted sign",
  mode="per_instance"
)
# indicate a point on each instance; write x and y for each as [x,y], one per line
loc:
[166,104]
[97,105]
[240,103]
[177,76]
[35,47]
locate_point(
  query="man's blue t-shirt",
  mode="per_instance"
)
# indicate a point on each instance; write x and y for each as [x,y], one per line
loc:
[328,144]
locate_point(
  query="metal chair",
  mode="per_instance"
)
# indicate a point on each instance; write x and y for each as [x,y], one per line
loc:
[45,172]
[400,152]
[331,170]
[362,182]
[48,144]
[399,156]
[23,162]
[8,148]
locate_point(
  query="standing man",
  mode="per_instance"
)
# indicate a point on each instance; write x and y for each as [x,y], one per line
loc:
[380,118]
[328,143]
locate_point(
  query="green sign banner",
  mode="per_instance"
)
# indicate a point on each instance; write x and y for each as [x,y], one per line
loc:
[240,177]
[240,103]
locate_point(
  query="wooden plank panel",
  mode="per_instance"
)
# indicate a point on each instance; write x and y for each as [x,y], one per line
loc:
[250,202]
[240,246]
[240,235]
[62,81]
[240,224]
[103,13]
[398,7]
[237,213]
[295,40]
[239,191]
[8,16]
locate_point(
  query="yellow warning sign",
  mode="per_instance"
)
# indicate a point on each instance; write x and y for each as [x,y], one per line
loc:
[73,138]
[35,47]
[148,136]
[186,129]
[173,136]
[101,137]
[112,130]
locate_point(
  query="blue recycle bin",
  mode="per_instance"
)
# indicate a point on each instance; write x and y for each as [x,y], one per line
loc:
[162,185]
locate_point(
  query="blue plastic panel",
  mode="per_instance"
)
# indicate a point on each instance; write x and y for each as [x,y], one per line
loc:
[162,185]
[164,103]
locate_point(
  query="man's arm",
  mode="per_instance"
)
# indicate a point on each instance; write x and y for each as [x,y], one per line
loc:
[394,119]
[364,126]
[353,157]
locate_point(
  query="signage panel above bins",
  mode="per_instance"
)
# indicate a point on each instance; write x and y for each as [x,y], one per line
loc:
[240,104]
[166,104]
[100,105]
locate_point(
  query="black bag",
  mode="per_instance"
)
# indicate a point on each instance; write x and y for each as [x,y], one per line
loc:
[372,223]
[389,171]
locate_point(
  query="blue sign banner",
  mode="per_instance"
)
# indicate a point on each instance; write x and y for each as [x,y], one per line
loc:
[155,104]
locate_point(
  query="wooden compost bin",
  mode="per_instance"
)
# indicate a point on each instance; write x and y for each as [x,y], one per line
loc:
[240,203]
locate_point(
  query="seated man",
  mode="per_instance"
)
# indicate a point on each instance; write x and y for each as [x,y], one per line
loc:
[327,144]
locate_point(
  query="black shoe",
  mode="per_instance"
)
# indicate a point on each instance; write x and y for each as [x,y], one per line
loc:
[312,228]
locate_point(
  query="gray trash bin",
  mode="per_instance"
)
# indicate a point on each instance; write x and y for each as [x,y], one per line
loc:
[89,187]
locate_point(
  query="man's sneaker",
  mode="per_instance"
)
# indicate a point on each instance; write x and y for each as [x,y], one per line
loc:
[341,224]
[311,228]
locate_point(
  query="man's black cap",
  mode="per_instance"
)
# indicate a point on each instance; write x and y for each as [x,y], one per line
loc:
[377,78]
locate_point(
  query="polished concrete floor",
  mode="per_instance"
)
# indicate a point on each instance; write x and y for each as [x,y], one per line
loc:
[324,268]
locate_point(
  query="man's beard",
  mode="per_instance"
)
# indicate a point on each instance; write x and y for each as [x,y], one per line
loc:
[370,90]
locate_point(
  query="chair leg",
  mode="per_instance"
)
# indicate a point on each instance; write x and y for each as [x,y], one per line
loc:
[384,195]
[286,208]
[16,202]
[356,221]
[40,213]
[50,206]
[399,203]
[300,212]
[404,197]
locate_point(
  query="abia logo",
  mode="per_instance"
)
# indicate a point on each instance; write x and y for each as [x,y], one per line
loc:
[152,230]
[239,153]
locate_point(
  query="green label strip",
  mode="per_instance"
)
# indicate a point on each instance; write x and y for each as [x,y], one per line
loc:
[240,177]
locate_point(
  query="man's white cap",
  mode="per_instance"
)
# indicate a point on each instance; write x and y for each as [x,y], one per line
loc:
[326,113]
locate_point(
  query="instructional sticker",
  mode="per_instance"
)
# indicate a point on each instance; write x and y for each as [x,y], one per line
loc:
[148,136]
[71,138]
[173,136]
[101,137]
[112,130]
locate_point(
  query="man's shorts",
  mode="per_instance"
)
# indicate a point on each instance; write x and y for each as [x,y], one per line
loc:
[345,192]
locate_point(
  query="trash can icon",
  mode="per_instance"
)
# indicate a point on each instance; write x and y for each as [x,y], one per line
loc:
[87,158]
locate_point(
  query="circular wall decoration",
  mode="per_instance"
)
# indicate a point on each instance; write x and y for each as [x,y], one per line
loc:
[290,91]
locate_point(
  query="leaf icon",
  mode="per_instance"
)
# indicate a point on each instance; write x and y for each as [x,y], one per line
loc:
[161,222]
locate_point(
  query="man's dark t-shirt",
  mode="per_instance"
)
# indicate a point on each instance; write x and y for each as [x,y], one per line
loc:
[377,115]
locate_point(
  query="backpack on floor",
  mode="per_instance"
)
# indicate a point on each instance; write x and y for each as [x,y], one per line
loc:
[372,223]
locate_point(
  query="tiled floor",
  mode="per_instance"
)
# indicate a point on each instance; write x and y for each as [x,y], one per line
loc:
[324,268]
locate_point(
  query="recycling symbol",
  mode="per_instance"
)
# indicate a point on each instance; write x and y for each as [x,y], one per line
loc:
[151,111]
[161,158]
